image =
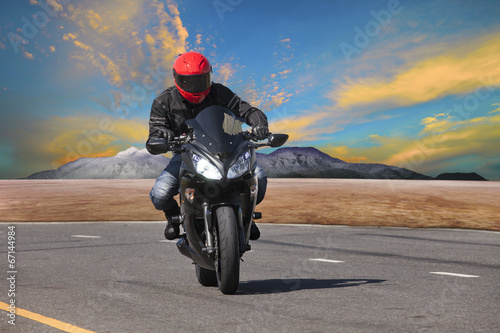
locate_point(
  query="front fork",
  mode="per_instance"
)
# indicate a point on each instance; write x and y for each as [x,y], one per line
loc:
[209,245]
[207,219]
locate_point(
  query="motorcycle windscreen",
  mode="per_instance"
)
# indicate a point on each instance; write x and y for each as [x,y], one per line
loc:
[217,128]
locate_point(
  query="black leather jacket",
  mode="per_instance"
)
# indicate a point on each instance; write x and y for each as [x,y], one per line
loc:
[170,110]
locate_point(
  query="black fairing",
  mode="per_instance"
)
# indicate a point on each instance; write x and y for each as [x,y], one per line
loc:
[217,129]
[218,137]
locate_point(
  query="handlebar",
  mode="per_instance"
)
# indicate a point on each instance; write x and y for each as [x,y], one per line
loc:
[176,145]
[273,140]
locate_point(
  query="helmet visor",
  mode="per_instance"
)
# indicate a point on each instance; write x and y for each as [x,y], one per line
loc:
[193,83]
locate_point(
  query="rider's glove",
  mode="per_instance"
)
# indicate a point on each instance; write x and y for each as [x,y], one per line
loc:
[261,132]
[167,134]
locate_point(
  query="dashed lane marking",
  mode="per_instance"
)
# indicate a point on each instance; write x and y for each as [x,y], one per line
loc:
[327,260]
[85,236]
[45,320]
[455,274]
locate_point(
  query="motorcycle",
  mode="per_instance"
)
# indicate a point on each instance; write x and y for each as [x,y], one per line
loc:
[218,194]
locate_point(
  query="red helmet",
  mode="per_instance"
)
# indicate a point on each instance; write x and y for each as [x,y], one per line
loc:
[192,76]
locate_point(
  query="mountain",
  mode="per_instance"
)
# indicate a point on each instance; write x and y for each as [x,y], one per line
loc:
[460,176]
[128,164]
[308,162]
[291,162]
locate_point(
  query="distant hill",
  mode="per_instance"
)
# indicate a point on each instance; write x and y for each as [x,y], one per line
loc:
[290,162]
[128,164]
[460,176]
[308,162]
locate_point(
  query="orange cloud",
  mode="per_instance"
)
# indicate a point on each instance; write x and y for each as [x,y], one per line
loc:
[82,46]
[496,110]
[69,138]
[112,37]
[28,55]
[435,147]
[224,73]
[69,36]
[111,70]
[456,71]
[272,94]
[299,128]
[56,5]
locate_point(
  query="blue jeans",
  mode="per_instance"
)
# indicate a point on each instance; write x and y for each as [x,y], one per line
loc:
[167,185]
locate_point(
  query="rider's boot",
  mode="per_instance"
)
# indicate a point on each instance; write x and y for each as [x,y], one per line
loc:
[172,229]
[254,232]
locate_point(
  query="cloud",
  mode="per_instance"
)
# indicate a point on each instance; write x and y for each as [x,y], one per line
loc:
[65,139]
[124,40]
[497,109]
[440,122]
[272,91]
[55,4]
[198,40]
[69,36]
[458,70]
[225,72]
[49,143]
[269,97]
[300,128]
[82,46]
[441,143]
[28,55]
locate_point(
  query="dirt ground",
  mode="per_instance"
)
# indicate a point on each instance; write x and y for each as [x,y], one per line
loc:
[396,203]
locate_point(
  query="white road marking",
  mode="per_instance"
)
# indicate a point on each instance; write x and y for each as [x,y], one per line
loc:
[167,241]
[455,274]
[85,236]
[327,260]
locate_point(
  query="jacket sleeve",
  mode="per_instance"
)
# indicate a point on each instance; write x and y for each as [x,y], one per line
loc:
[158,121]
[253,116]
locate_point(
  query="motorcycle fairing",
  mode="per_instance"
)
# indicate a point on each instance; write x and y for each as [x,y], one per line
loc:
[217,129]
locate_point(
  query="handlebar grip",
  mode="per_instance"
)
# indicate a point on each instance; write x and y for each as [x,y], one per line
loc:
[157,146]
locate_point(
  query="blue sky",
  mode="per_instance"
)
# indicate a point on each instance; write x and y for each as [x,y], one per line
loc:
[414,84]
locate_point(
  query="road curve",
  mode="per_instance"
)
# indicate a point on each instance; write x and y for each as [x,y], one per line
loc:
[123,277]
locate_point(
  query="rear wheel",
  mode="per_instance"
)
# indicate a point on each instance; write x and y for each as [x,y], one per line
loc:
[228,258]
[205,276]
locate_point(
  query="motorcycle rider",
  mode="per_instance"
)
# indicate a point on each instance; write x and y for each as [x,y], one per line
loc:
[194,91]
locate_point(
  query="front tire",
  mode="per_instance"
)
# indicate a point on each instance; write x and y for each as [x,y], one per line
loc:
[228,260]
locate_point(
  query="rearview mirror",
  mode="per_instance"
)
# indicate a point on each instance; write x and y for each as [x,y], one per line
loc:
[277,140]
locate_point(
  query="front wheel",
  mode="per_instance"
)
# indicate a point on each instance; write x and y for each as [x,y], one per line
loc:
[228,258]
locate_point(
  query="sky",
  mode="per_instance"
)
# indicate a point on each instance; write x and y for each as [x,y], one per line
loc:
[414,84]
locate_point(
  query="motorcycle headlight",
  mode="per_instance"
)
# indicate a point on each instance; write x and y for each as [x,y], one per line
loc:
[205,168]
[239,167]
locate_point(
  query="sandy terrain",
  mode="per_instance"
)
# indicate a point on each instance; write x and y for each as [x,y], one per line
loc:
[410,203]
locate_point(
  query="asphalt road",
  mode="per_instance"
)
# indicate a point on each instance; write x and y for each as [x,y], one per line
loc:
[122,277]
